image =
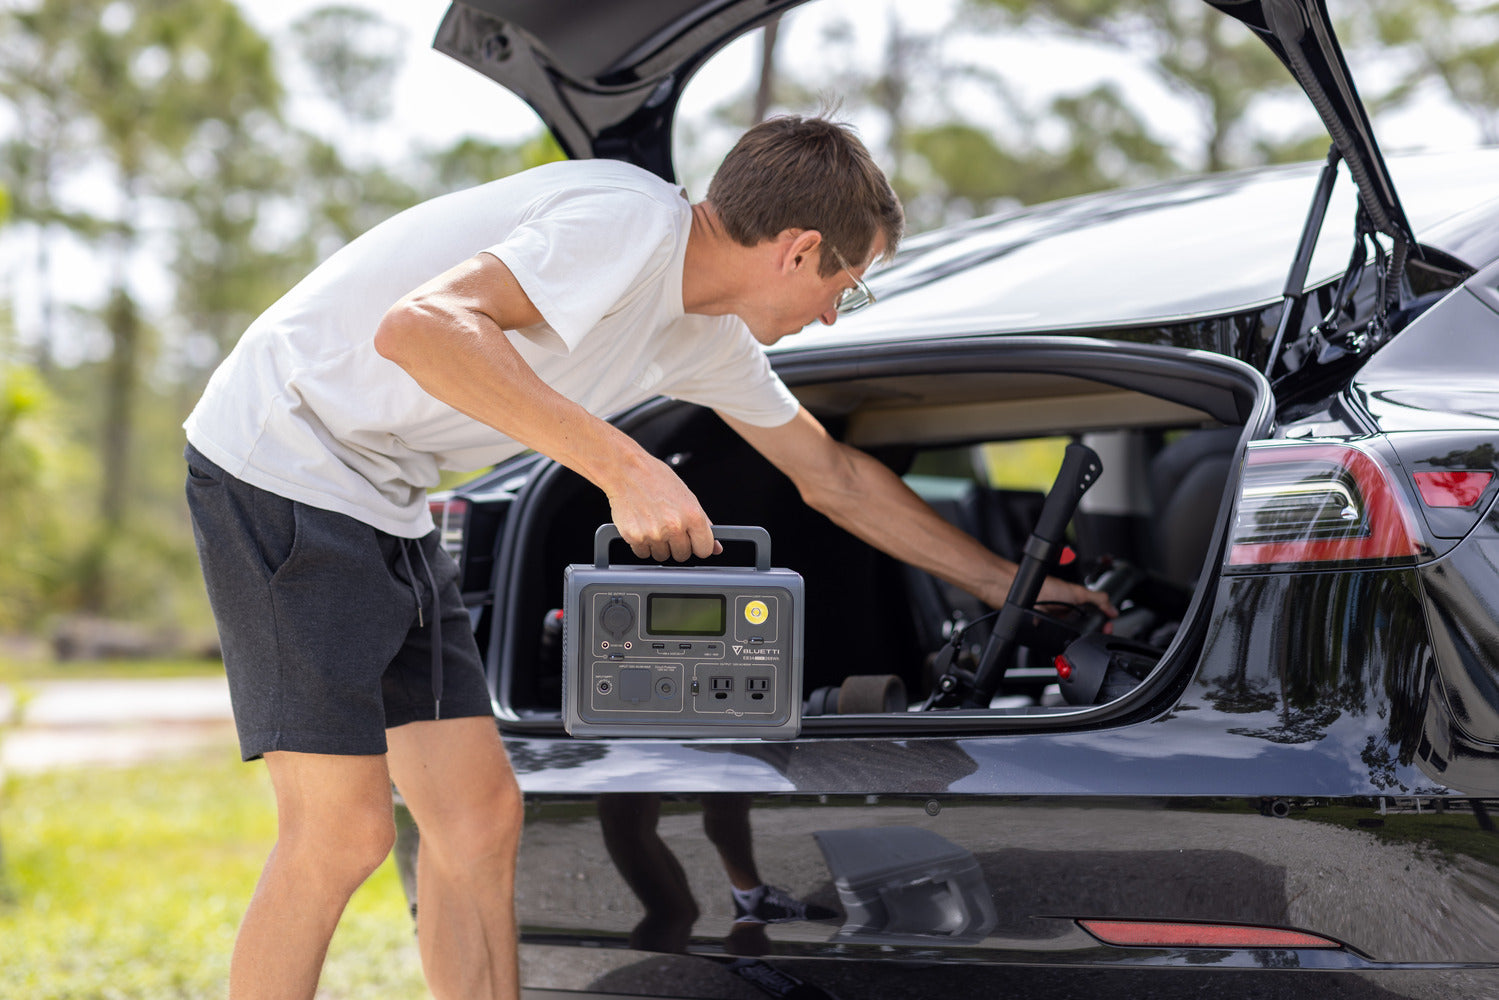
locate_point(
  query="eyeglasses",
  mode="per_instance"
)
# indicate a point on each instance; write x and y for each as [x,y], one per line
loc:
[851,299]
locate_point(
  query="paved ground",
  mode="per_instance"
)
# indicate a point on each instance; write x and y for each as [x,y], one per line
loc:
[64,723]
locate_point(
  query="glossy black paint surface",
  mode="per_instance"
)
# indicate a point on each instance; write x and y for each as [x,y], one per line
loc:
[649,873]
[1463,590]
[1438,374]
[1291,784]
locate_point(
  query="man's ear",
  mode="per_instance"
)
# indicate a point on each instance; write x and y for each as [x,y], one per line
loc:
[798,246]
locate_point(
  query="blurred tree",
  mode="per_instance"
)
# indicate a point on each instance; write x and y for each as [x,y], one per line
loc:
[1106,146]
[38,57]
[137,94]
[39,469]
[156,79]
[353,54]
[152,129]
[765,88]
[262,206]
[471,161]
[1444,43]
[946,162]
[1195,50]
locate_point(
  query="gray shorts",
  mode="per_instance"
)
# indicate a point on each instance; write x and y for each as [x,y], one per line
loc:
[326,622]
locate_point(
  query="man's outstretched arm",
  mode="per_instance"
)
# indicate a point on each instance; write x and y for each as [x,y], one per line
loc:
[865,498]
[449,335]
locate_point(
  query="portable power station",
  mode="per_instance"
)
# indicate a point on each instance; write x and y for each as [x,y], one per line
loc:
[682,651]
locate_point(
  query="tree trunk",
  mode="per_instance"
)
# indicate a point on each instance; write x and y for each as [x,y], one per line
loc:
[116,442]
[765,90]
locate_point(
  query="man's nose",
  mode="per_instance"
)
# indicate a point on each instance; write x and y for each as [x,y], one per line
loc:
[830,317]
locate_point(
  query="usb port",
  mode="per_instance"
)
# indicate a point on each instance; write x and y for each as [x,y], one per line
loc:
[658,645]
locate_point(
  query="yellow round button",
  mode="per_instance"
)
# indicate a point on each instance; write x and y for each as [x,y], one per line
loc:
[755,612]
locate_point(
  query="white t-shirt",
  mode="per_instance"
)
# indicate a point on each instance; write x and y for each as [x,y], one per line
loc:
[305,408]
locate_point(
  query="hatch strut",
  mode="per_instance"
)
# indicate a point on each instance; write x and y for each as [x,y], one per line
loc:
[1296,280]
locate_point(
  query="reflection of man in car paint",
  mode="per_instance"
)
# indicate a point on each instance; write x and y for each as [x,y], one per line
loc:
[459,333]
[628,821]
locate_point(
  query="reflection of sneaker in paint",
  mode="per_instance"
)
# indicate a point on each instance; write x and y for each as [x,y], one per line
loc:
[768,904]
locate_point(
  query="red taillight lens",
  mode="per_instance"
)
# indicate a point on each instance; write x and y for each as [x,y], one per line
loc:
[1160,934]
[1317,503]
[1452,488]
[451,517]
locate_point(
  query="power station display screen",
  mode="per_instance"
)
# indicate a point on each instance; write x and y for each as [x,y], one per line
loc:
[685,614]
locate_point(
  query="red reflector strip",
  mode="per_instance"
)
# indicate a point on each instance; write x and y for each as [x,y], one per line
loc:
[1152,934]
[1452,488]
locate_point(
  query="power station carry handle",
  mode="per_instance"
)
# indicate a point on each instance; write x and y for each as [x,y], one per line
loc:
[608,533]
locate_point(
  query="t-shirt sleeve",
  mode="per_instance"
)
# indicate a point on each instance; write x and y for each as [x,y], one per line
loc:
[580,255]
[737,380]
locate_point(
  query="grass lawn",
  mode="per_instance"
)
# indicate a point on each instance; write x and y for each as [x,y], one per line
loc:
[124,883]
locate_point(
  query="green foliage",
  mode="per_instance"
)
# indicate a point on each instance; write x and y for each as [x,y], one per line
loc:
[471,161]
[1108,146]
[1445,42]
[129,884]
[39,507]
[178,103]
[355,53]
[1193,48]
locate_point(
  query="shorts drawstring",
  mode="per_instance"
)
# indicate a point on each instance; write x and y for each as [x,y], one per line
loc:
[406,544]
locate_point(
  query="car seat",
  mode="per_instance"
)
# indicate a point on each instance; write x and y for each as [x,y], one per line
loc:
[1187,482]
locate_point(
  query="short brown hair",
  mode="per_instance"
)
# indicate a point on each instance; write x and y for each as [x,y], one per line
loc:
[791,172]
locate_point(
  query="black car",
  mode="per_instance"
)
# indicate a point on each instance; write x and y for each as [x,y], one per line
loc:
[1273,775]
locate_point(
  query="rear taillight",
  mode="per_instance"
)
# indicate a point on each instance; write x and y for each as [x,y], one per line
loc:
[1319,503]
[451,517]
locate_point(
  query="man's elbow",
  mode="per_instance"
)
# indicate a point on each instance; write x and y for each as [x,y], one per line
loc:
[397,338]
[835,486]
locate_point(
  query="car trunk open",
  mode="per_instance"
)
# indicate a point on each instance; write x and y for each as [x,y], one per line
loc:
[1167,420]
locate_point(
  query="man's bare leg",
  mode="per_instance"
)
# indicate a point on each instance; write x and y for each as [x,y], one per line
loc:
[334,827]
[457,781]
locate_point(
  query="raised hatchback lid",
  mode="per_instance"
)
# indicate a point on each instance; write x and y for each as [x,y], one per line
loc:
[606,75]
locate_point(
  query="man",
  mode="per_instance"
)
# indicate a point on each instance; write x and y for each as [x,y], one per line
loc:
[460,332]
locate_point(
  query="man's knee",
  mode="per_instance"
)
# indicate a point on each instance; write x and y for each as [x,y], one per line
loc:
[483,827]
[334,817]
[345,849]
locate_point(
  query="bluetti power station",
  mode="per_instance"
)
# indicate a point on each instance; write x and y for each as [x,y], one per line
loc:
[682,651]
